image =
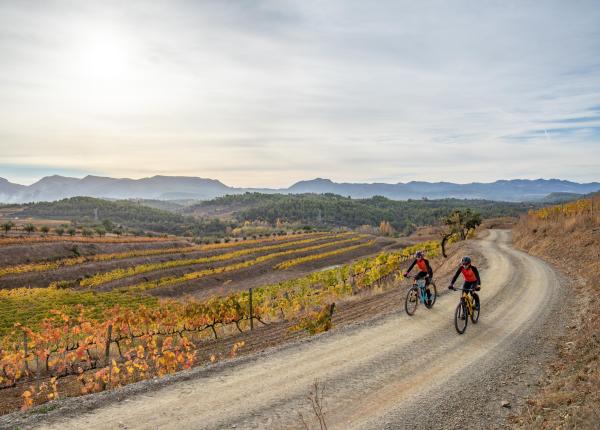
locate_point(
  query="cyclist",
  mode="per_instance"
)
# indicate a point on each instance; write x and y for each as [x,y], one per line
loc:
[425,271]
[472,279]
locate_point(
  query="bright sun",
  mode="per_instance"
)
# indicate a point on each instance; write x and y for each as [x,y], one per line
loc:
[103,56]
[101,69]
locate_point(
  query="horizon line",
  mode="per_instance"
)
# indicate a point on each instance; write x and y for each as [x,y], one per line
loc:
[296,182]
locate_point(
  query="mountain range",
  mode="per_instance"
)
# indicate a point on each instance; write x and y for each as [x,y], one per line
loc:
[57,187]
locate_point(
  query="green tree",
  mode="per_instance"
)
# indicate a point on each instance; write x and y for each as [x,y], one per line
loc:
[459,223]
[100,231]
[71,231]
[59,231]
[29,228]
[7,226]
[109,226]
[45,229]
[87,232]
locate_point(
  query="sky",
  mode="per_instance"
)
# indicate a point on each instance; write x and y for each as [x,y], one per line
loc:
[266,93]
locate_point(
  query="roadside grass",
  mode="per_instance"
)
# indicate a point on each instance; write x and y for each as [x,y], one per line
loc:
[569,397]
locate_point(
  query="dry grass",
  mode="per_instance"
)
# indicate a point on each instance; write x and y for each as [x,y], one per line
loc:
[569,397]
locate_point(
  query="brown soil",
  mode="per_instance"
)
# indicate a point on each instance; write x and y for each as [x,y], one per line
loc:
[11,255]
[43,279]
[569,397]
[182,270]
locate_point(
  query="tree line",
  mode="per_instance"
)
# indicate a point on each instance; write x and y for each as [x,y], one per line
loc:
[331,210]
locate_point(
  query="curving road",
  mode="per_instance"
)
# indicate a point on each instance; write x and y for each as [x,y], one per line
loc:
[382,375]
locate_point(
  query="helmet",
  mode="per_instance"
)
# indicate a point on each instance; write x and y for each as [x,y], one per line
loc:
[465,260]
[419,254]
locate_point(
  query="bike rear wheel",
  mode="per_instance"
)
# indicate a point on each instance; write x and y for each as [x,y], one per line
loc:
[461,319]
[476,308]
[412,299]
[431,299]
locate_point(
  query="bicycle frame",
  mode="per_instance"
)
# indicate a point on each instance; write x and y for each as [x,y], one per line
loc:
[467,298]
[420,284]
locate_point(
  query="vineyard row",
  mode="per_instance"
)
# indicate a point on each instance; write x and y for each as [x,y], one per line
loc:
[169,281]
[73,261]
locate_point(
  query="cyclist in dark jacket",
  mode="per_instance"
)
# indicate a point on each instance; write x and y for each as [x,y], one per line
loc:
[425,271]
[470,273]
[422,263]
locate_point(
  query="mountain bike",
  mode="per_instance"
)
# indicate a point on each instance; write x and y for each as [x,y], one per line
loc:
[468,307]
[418,293]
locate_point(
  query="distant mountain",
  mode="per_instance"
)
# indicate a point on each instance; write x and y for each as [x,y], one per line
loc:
[505,190]
[57,187]
[8,190]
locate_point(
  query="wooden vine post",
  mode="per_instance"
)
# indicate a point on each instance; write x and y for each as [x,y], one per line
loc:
[107,347]
[26,350]
[250,310]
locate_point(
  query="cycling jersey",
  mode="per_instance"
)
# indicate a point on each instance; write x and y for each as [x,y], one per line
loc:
[423,265]
[470,273]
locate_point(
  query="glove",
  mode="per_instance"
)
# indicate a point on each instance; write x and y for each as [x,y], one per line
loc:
[477,288]
[451,287]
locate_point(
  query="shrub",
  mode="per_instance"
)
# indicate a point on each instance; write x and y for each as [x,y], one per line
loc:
[29,228]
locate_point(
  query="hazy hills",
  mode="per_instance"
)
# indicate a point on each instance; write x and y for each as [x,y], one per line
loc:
[56,187]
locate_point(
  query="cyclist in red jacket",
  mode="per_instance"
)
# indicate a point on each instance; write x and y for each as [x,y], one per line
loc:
[425,270]
[471,275]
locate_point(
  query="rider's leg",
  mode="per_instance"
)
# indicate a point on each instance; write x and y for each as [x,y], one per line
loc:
[425,275]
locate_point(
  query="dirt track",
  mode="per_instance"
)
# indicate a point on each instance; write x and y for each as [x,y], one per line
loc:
[398,372]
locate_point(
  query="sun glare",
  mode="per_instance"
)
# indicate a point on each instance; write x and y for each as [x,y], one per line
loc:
[101,69]
[103,57]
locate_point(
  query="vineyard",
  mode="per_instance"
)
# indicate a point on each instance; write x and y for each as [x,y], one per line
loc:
[589,207]
[103,280]
[136,336]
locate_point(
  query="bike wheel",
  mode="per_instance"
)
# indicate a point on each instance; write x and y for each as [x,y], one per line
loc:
[412,299]
[431,300]
[476,308]
[461,319]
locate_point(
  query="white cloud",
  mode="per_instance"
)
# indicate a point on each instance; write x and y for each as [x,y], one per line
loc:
[266,93]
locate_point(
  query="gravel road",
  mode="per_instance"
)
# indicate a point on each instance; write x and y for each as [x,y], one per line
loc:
[393,372]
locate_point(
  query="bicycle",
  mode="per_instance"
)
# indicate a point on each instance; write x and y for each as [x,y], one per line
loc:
[468,307]
[418,293]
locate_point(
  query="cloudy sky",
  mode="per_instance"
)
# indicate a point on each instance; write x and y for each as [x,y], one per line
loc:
[265,93]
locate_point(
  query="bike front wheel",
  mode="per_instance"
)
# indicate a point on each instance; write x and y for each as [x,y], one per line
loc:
[476,308]
[412,299]
[461,319]
[432,296]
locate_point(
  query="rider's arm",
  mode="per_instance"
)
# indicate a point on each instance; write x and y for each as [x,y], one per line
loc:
[455,276]
[476,272]
[410,267]
[429,269]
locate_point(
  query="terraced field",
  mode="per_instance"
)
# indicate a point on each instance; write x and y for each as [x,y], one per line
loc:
[38,277]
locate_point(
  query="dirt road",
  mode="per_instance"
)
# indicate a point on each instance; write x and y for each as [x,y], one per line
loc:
[396,372]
